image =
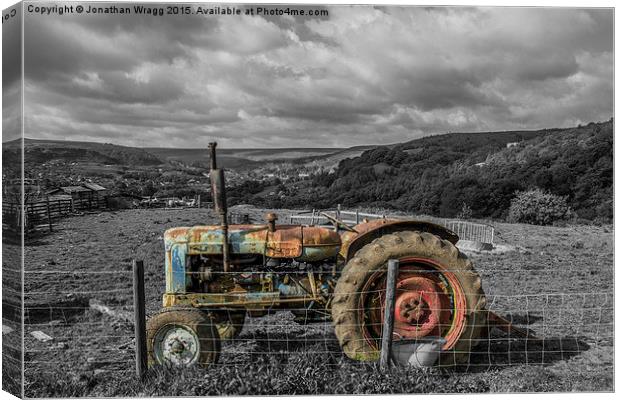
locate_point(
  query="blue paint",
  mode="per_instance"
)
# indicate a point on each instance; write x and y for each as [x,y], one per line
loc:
[177,283]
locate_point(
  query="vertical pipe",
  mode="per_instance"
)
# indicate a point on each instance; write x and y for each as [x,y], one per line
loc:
[218,191]
[388,317]
[139,317]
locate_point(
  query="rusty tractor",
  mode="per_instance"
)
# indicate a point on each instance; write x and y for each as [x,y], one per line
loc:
[217,275]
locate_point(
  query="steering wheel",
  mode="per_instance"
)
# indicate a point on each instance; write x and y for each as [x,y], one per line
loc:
[337,223]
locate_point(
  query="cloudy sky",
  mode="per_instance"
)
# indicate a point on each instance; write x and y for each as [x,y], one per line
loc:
[362,75]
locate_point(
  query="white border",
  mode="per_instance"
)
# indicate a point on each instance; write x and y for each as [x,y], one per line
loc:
[540,3]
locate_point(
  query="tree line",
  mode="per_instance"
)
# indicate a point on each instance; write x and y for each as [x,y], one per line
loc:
[479,172]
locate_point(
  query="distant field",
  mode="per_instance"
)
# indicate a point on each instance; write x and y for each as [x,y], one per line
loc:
[331,160]
[232,158]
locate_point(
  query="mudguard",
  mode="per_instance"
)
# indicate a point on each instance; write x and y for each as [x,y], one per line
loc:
[368,231]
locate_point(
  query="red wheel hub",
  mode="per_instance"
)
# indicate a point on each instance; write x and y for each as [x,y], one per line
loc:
[429,302]
[421,307]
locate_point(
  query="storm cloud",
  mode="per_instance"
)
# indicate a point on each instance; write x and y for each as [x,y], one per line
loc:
[361,75]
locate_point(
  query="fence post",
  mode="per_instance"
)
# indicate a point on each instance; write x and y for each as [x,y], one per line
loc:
[19,223]
[388,319]
[139,317]
[49,214]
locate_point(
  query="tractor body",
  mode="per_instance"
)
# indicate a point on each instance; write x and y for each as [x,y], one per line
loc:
[271,266]
[217,275]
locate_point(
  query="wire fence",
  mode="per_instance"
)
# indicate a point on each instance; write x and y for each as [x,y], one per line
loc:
[71,330]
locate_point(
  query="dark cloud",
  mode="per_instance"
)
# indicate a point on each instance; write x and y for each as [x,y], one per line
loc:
[361,75]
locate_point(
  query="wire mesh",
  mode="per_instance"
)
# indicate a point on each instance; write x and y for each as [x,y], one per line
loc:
[92,331]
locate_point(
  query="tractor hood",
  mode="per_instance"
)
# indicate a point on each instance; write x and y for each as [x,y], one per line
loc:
[287,241]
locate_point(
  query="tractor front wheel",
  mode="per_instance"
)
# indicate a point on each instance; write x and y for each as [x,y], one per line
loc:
[182,338]
[438,293]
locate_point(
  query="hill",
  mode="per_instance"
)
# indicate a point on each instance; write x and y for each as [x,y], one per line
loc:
[41,151]
[440,175]
[436,175]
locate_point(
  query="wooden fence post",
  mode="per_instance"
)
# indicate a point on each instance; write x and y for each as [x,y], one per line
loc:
[19,222]
[139,317]
[388,319]
[49,214]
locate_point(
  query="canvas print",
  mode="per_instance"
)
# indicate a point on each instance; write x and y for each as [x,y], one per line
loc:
[210,199]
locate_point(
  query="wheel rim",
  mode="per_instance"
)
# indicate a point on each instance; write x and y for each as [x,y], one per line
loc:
[429,301]
[176,344]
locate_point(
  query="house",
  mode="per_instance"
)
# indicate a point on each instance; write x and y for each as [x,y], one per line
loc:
[76,192]
[98,189]
[86,196]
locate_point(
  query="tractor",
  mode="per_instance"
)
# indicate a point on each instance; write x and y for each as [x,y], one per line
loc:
[217,275]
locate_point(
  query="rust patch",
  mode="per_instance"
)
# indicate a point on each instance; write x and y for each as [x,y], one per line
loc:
[316,236]
[285,242]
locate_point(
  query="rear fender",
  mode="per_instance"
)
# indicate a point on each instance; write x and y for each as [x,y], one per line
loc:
[352,242]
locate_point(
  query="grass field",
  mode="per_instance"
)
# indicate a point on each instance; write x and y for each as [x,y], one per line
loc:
[556,281]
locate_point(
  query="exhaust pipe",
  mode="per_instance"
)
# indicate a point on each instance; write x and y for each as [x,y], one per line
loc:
[218,192]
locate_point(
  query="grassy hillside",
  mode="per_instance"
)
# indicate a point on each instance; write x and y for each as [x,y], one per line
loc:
[439,175]
[41,151]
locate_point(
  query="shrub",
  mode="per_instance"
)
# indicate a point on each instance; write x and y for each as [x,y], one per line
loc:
[538,207]
[465,212]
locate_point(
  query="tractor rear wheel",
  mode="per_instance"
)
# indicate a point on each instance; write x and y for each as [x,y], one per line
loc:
[228,323]
[438,293]
[182,337]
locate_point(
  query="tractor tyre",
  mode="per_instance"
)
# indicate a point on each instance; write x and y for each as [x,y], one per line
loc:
[229,324]
[438,293]
[182,337]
